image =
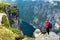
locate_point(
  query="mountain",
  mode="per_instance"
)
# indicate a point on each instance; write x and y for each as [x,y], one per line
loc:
[33,11]
[36,12]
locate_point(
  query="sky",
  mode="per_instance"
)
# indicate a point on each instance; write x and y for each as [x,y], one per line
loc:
[14,1]
[51,0]
[8,0]
[48,0]
[11,1]
[44,0]
[29,0]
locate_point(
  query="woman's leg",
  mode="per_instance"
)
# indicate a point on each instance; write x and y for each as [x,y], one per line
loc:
[47,30]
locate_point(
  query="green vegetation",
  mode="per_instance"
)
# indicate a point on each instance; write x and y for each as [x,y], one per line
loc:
[14,30]
[6,34]
[1,11]
[14,8]
[28,38]
[17,32]
[5,21]
[2,5]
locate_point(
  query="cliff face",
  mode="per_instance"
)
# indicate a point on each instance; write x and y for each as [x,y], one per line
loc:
[9,22]
[13,16]
[12,13]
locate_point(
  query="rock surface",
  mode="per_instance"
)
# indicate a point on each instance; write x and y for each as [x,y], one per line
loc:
[36,33]
[51,36]
[1,15]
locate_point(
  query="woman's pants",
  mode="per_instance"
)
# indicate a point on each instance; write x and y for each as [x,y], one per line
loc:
[47,29]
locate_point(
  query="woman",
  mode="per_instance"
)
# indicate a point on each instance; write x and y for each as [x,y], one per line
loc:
[47,26]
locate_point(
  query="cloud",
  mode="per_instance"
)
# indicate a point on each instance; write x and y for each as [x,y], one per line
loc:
[56,0]
[13,0]
[51,0]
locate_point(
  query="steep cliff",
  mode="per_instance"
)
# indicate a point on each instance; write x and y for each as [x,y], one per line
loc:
[12,13]
[9,22]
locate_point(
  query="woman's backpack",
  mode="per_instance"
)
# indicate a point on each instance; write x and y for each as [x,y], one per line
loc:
[50,25]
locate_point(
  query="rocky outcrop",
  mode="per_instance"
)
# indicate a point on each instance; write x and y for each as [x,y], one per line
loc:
[40,36]
[13,16]
[51,36]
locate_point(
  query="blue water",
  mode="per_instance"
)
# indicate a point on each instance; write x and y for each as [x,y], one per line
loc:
[27,29]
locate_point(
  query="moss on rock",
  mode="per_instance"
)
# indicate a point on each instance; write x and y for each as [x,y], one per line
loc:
[10,9]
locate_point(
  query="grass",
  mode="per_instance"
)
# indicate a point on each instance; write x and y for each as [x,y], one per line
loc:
[14,30]
[6,34]
[28,38]
[9,33]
